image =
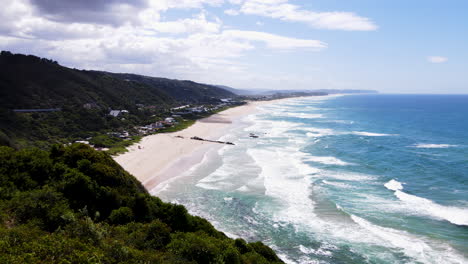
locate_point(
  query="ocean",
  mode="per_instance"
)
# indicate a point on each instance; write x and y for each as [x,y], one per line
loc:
[341,179]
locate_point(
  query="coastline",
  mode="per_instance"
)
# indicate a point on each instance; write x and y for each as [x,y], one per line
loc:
[160,157]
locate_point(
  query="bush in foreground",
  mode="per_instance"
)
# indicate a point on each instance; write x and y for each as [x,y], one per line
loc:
[76,205]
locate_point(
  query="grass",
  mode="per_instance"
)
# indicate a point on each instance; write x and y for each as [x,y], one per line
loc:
[181,125]
[121,146]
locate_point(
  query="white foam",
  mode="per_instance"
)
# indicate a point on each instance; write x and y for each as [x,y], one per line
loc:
[319,132]
[415,247]
[271,129]
[288,183]
[243,189]
[454,215]
[328,160]
[320,251]
[370,134]
[434,146]
[337,184]
[285,178]
[393,185]
[208,186]
[312,108]
[297,141]
[347,176]
[305,115]
[165,185]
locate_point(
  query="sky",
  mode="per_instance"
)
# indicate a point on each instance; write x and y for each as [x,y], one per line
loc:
[394,46]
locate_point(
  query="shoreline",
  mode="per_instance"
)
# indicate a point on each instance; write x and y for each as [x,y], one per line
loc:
[161,157]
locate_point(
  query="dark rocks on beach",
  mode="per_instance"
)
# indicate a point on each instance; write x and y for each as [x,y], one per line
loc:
[213,141]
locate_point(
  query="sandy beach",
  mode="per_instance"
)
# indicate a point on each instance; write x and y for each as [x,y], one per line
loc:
[160,157]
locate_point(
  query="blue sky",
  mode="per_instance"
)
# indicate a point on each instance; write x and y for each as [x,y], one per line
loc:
[392,46]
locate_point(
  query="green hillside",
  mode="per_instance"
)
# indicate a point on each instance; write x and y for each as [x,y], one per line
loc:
[76,205]
[83,100]
[186,92]
[32,82]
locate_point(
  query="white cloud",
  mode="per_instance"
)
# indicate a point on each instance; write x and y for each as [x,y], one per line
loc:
[437,59]
[275,41]
[231,12]
[163,5]
[236,2]
[198,24]
[199,47]
[283,10]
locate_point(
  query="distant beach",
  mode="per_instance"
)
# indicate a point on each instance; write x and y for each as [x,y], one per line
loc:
[160,157]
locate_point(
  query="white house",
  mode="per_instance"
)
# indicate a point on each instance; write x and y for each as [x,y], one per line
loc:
[169,120]
[116,113]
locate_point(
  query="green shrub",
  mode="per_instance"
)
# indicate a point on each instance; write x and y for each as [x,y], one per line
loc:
[265,251]
[43,206]
[198,247]
[76,205]
[121,216]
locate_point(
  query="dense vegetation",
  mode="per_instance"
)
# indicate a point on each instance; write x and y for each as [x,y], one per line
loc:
[185,92]
[84,99]
[76,205]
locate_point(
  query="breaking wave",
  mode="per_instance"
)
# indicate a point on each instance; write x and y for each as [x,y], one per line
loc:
[454,215]
[437,146]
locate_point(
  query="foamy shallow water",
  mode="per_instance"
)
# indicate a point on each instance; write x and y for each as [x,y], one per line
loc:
[321,191]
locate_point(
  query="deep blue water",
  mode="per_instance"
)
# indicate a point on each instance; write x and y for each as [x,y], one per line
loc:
[349,179]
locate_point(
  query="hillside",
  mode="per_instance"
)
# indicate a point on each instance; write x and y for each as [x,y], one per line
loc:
[185,92]
[76,205]
[239,91]
[32,82]
[81,100]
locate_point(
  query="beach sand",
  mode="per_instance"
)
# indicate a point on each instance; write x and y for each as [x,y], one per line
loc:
[164,156]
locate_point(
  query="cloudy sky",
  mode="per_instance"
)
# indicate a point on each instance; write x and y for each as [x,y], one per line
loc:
[396,46]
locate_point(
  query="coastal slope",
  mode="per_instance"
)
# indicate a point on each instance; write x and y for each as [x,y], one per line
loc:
[76,205]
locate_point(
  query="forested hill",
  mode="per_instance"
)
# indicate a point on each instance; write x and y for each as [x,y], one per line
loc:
[70,104]
[182,91]
[33,82]
[76,205]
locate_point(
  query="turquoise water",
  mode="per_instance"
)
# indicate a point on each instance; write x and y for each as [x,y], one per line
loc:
[349,179]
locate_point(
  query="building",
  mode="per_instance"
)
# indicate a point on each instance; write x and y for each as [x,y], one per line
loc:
[156,125]
[169,120]
[180,107]
[116,113]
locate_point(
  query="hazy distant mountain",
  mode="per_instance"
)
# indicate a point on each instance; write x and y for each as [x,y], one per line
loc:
[327,91]
[272,92]
[345,91]
[238,91]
